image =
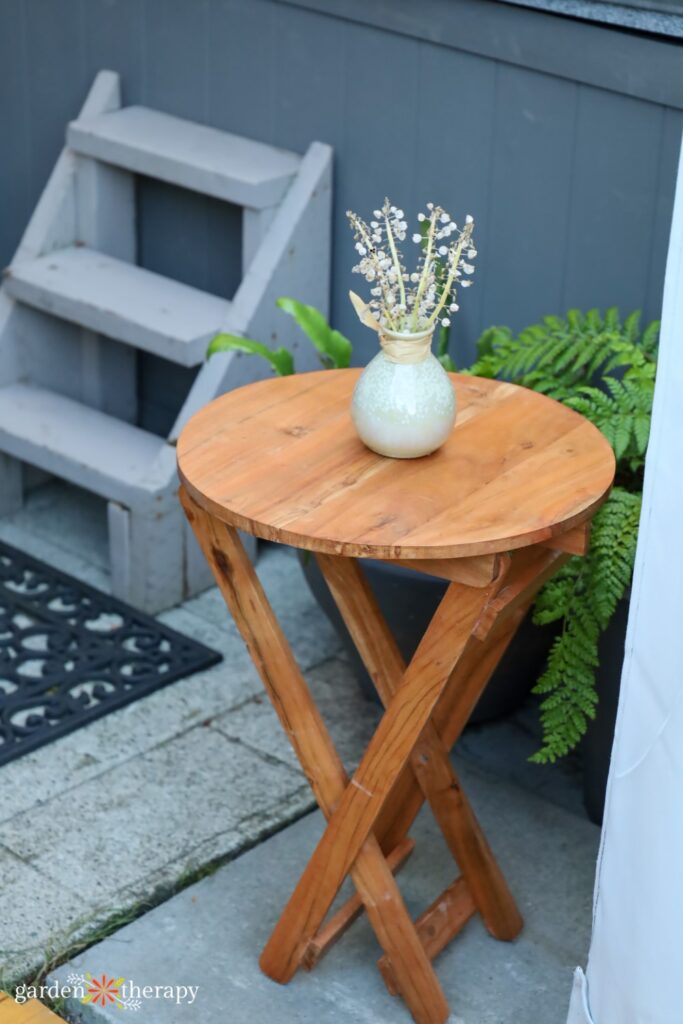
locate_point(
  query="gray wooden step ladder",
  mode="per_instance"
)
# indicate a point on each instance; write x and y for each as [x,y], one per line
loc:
[75,309]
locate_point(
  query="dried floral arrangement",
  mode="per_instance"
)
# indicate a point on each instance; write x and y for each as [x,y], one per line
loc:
[411,302]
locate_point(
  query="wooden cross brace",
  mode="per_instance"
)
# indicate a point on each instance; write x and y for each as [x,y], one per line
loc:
[428,703]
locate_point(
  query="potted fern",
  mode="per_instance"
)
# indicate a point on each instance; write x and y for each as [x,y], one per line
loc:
[605,369]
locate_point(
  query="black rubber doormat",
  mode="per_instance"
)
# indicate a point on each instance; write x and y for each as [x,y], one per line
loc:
[70,654]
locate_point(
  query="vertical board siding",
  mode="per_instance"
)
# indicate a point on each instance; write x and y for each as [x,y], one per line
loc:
[571,185]
[528,200]
[313,64]
[240,67]
[162,389]
[190,237]
[665,186]
[378,156]
[15,191]
[455,158]
[614,189]
[175,70]
[57,84]
[309,75]
[114,39]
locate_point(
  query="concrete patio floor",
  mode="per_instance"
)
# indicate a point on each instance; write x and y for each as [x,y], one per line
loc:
[104,824]
[211,934]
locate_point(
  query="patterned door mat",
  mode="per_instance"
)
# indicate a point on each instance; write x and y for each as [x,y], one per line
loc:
[70,654]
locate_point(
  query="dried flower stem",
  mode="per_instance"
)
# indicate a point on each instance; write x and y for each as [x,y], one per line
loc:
[454,261]
[425,268]
[394,256]
[440,267]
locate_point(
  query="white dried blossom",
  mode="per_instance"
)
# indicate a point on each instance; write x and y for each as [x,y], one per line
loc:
[414,301]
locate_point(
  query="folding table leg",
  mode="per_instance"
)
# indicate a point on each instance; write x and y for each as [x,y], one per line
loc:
[529,570]
[472,672]
[387,754]
[301,721]
[429,760]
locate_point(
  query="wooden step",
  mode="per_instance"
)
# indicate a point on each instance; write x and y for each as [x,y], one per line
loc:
[122,301]
[92,450]
[191,155]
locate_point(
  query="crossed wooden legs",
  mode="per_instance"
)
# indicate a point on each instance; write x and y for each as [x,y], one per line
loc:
[427,705]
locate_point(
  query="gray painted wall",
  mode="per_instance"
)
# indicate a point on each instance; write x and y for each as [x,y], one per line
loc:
[559,136]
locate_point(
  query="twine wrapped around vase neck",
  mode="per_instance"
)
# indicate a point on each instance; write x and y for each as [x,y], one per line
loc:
[405,347]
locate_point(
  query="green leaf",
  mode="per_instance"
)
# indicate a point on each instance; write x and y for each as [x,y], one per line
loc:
[447,362]
[650,337]
[631,325]
[612,318]
[641,429]
[335,350]
[489,340]
[280,359]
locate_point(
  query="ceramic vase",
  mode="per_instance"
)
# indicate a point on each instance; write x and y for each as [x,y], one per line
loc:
[404,404]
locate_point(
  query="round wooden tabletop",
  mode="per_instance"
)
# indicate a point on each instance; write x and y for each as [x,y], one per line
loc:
[281,459]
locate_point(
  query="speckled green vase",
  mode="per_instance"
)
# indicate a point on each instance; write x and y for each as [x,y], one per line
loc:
[404,408]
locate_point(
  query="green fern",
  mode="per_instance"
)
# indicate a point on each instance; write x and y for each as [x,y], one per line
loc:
[605,369]
[558,356]
[583,596]
[622,412]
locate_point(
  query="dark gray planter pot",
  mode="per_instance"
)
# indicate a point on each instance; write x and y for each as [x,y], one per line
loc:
[597,744]
[408,601]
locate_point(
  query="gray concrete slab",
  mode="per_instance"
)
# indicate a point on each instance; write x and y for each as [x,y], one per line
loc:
[62,766]
[211,934]
[127,733]
[308,631]
[504,747]
[35,911]
[152,813]
[350,718]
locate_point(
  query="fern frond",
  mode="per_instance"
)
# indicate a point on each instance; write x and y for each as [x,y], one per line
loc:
[584,595]
[605,370]
[559,355]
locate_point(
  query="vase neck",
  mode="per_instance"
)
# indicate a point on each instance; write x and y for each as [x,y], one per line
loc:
[406,347]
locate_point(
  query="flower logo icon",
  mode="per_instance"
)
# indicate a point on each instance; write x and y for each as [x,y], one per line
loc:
[103,990]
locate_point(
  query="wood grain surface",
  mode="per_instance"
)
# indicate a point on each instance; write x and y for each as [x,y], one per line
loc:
[281,459]
[30,1012]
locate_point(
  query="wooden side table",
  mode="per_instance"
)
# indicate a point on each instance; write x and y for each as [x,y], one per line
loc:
[496,511]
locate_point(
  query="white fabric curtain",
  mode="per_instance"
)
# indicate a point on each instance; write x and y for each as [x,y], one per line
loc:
[635,967]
